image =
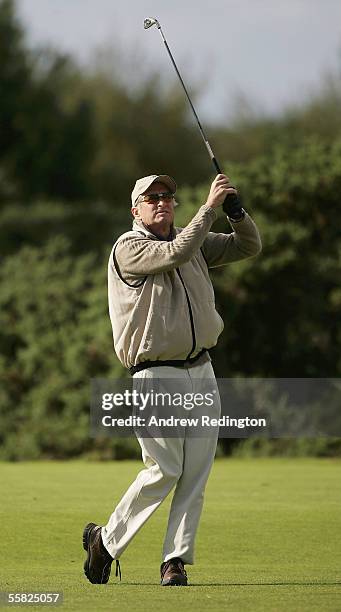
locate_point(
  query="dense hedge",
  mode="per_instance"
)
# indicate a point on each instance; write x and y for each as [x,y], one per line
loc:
[281,310]
[72,142]
[54,337]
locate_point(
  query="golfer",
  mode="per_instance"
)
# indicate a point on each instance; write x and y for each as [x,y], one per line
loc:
[161,304]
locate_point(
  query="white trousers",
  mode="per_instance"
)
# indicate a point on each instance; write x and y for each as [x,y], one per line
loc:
[180,462]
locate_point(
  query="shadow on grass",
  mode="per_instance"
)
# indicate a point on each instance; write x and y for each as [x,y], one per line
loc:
[265,583]
[229,584]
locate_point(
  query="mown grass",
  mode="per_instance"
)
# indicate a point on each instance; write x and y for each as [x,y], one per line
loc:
[269,538]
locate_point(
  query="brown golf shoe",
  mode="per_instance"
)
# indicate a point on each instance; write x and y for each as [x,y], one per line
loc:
[97,566]
[173,573]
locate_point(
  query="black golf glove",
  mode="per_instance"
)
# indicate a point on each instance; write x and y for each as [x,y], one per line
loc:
[232,206]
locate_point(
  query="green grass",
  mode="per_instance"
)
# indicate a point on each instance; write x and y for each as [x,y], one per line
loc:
[269,538]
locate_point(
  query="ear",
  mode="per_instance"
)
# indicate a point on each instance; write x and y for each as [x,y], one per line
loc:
[135,212]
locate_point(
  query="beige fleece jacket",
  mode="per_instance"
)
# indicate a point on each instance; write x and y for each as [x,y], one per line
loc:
[161,299]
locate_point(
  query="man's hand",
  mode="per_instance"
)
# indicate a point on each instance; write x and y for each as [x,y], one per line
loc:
[220,188]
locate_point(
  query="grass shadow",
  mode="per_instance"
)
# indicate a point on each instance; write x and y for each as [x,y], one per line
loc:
[265,583]
[230,584]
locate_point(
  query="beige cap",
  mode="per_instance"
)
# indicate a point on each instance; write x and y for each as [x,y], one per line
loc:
[142,185]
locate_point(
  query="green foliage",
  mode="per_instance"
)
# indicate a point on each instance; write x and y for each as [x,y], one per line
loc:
[289,447]
[251,133]
[78,134]
[281,311]
[44,149]
[55,336]
[71,135]
[72,143]
[88,227]
[139,133]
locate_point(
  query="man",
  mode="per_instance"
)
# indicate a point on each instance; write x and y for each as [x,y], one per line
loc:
[161,305]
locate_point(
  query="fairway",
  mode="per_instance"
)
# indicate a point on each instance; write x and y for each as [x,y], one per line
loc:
[269,538]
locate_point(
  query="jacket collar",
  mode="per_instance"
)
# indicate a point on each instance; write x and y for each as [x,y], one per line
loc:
[139,226]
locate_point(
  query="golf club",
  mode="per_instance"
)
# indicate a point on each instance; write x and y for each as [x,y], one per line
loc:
[232,205]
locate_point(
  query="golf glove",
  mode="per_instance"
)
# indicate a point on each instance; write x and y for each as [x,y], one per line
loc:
[232,206]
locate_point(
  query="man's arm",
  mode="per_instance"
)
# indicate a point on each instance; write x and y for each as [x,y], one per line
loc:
[221,249]
[138,256]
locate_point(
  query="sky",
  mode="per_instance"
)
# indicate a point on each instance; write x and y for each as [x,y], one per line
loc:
[268,52]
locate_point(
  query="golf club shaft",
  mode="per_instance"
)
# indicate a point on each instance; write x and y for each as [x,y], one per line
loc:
[204,137]
[231,204]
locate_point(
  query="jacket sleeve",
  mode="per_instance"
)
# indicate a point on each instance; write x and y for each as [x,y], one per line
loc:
[140,255]
[243,242]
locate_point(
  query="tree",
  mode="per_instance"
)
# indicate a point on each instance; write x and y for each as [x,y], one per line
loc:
[281,310]
[45,150]
[55,336]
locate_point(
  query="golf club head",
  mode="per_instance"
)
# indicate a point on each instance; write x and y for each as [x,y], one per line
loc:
[149,22]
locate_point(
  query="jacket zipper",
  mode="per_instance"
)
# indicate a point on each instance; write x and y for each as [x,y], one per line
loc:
[189,310]
[190,315]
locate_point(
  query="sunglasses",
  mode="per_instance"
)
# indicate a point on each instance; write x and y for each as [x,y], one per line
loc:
[153,198]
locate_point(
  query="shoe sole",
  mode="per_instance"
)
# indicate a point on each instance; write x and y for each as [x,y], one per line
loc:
[181,581]
[86,535]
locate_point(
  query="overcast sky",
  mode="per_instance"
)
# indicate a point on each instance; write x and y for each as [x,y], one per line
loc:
[271,51]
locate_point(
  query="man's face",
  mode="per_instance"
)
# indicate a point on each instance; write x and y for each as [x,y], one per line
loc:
[157,214]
